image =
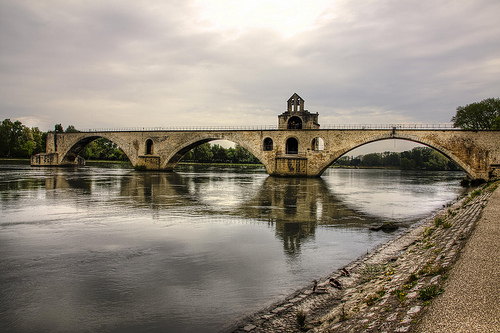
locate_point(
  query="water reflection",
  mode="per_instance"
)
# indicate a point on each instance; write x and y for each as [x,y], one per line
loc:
[100,249]
[293,207]
[296,206]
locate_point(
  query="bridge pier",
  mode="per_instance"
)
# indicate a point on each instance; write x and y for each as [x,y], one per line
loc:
[291,167]
[52,159]
[148,162]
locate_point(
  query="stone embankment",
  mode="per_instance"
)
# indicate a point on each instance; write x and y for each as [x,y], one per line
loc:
[385,290]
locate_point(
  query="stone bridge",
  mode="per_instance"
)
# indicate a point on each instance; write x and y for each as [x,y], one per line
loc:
[298,147]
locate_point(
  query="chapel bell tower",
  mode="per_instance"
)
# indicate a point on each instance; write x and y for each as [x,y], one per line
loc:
[295,117]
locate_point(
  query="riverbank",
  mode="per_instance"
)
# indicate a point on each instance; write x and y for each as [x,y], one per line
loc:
[470,301]
[386,290]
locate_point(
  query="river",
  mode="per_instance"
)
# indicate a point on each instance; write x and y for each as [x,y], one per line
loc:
[106,248]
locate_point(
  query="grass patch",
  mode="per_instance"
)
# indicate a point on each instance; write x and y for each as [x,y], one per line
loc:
[429,245]
[476,193]
[428,231]
[492,187]
[447,225]
[438,250]
[371,299]
[371,271]
[432,270]
[429,292]
[400,295]
[438,221]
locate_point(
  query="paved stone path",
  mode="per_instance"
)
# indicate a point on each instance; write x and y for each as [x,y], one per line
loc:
[471,302]
[387,289]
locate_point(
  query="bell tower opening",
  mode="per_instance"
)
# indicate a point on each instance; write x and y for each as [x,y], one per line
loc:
[295,104]
[294,123]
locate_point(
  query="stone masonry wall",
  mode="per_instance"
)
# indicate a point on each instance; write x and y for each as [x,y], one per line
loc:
[478,153]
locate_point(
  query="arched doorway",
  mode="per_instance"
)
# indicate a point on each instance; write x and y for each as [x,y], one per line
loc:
[292,146]
[149,147]
[268,144]
[294,123]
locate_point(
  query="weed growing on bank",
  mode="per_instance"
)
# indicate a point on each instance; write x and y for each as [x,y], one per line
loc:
[300,316]
[429,292]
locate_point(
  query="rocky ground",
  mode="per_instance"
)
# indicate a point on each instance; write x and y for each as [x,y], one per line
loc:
[385,290]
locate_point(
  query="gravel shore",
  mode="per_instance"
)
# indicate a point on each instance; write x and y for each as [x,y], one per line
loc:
[393,289]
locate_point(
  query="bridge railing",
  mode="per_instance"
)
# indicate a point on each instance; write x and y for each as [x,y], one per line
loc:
[446,126]
[190,128]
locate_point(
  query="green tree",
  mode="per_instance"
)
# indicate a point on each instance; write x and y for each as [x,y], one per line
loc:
[5,132]
[407,164]
[219,154]
[188,157]
[39,138]
[373,159]
[29,147]
[391,159]
[102,149]
[71,129]
[344,160]
[203,153]
[241,155]
[484,115]
[58,128]
[17,139]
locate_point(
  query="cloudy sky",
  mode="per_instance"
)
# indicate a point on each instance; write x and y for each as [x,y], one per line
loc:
[123,63]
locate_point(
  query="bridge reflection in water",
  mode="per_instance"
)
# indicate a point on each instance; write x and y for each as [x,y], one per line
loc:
[294,207]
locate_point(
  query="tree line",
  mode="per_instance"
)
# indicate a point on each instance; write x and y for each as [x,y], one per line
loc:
[207,153]
[18,140]
[419,158]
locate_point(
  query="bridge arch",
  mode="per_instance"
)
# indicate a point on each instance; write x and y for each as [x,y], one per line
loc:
[446,152]
[171,160]
[78,141]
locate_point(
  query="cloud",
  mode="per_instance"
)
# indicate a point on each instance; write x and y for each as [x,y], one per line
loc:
[153,63]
